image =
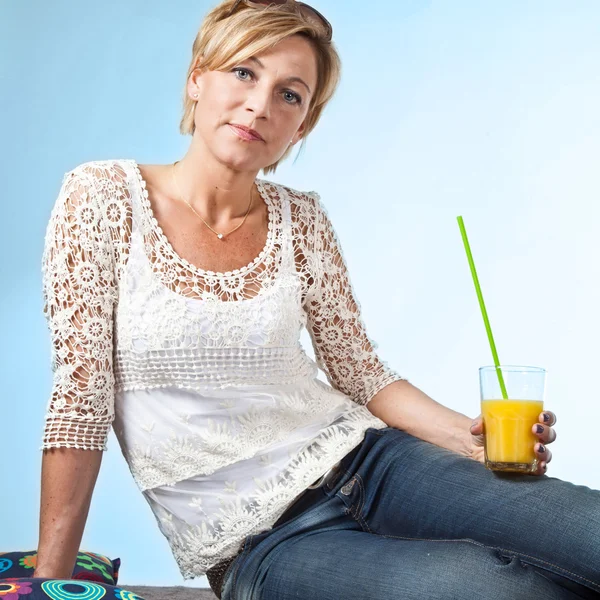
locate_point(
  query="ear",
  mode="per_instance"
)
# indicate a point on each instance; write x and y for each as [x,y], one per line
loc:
[299,133]
[194,82]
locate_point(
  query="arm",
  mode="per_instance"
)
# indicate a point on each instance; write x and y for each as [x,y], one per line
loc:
[68,479]
[79,295]
[406,407]
[342,347]
[348,358]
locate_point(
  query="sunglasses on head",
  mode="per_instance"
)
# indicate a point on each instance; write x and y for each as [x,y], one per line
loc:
[308,12]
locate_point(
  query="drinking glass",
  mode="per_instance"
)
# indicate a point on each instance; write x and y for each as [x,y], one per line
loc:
[508,422]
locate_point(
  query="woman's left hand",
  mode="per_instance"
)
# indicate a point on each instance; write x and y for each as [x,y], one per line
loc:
[542,430]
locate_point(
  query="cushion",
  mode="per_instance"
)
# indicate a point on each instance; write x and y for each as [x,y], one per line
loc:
[41,588]
[88,566]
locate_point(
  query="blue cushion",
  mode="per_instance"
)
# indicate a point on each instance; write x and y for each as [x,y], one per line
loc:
[89,566]
[41,588]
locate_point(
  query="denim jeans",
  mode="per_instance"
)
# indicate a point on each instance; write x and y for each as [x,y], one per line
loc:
[405,519]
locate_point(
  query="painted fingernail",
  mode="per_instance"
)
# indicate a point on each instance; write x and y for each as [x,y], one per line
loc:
[541,448]
[539,428]
[546,417]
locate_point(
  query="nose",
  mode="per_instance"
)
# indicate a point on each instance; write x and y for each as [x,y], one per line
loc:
[259,102]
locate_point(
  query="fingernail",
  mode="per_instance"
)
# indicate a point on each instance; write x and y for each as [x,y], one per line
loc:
[546,417]
[541,448]
[539,428]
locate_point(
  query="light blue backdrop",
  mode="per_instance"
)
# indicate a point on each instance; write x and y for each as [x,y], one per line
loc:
[485,109]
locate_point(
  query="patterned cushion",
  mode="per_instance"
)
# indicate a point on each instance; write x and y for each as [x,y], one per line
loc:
[88,566]
[41,588]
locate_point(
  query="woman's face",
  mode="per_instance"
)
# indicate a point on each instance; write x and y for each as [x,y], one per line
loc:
[269,93]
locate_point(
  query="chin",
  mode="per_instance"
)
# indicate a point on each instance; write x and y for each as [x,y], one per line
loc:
[240,160]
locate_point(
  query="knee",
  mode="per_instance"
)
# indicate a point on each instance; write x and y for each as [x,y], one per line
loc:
[465,570]
[505,577]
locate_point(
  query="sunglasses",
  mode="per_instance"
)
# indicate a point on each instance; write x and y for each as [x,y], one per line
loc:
[312,15]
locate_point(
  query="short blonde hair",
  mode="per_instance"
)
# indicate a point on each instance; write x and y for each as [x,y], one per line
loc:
[223,42]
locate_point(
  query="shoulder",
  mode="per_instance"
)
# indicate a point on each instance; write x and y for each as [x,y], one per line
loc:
[94,193]
[305,205]
[97,172]
[98,183]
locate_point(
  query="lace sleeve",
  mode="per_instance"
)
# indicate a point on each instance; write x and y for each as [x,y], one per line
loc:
[79,292]
[342,347]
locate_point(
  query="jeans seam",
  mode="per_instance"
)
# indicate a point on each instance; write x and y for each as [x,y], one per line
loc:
[361,498]
[238,562]
[229,568]
[235,572]
[511,552]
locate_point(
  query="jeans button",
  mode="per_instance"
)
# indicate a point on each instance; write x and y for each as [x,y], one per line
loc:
[348,487]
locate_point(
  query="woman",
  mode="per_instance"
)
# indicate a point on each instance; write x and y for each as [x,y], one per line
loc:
[176,295]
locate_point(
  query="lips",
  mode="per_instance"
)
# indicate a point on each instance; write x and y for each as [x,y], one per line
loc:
[246,132]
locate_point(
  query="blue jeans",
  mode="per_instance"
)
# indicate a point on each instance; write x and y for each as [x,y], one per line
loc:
[405,519]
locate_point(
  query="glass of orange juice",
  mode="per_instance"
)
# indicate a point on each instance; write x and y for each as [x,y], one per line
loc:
[508,422]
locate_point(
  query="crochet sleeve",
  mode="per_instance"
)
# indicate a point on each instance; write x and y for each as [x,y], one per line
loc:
[79,293]
[342,347]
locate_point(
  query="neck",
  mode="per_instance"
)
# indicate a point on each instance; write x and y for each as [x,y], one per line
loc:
[217,192]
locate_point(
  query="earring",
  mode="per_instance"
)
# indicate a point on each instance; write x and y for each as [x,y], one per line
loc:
[195,95]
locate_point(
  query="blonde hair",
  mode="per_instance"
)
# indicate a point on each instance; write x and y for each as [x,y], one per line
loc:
[225,41]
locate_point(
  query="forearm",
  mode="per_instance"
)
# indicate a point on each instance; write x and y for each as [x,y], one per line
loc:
[68,479]
[406,407]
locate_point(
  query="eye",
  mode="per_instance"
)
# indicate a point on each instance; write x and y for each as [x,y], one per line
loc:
[240,71]
[292,97]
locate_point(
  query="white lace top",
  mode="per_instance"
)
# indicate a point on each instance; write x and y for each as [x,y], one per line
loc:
[216,407]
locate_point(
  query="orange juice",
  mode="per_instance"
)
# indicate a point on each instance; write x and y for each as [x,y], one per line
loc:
[508,430]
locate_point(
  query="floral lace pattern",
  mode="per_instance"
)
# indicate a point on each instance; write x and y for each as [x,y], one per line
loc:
[201,535]
[211,396]
[79,295]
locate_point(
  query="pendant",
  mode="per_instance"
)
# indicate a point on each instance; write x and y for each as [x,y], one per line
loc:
[220,236]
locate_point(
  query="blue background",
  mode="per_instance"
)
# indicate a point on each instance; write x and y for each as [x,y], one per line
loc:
[483,109]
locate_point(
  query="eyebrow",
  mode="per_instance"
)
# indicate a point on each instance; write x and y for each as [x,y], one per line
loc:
[289,79]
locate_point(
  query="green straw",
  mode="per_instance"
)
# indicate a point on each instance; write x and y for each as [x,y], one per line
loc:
[463,232]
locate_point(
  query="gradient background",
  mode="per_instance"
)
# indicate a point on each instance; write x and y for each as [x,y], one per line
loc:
[481,109]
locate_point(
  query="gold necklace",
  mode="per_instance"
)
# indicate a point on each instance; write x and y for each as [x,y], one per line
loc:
[221,236]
